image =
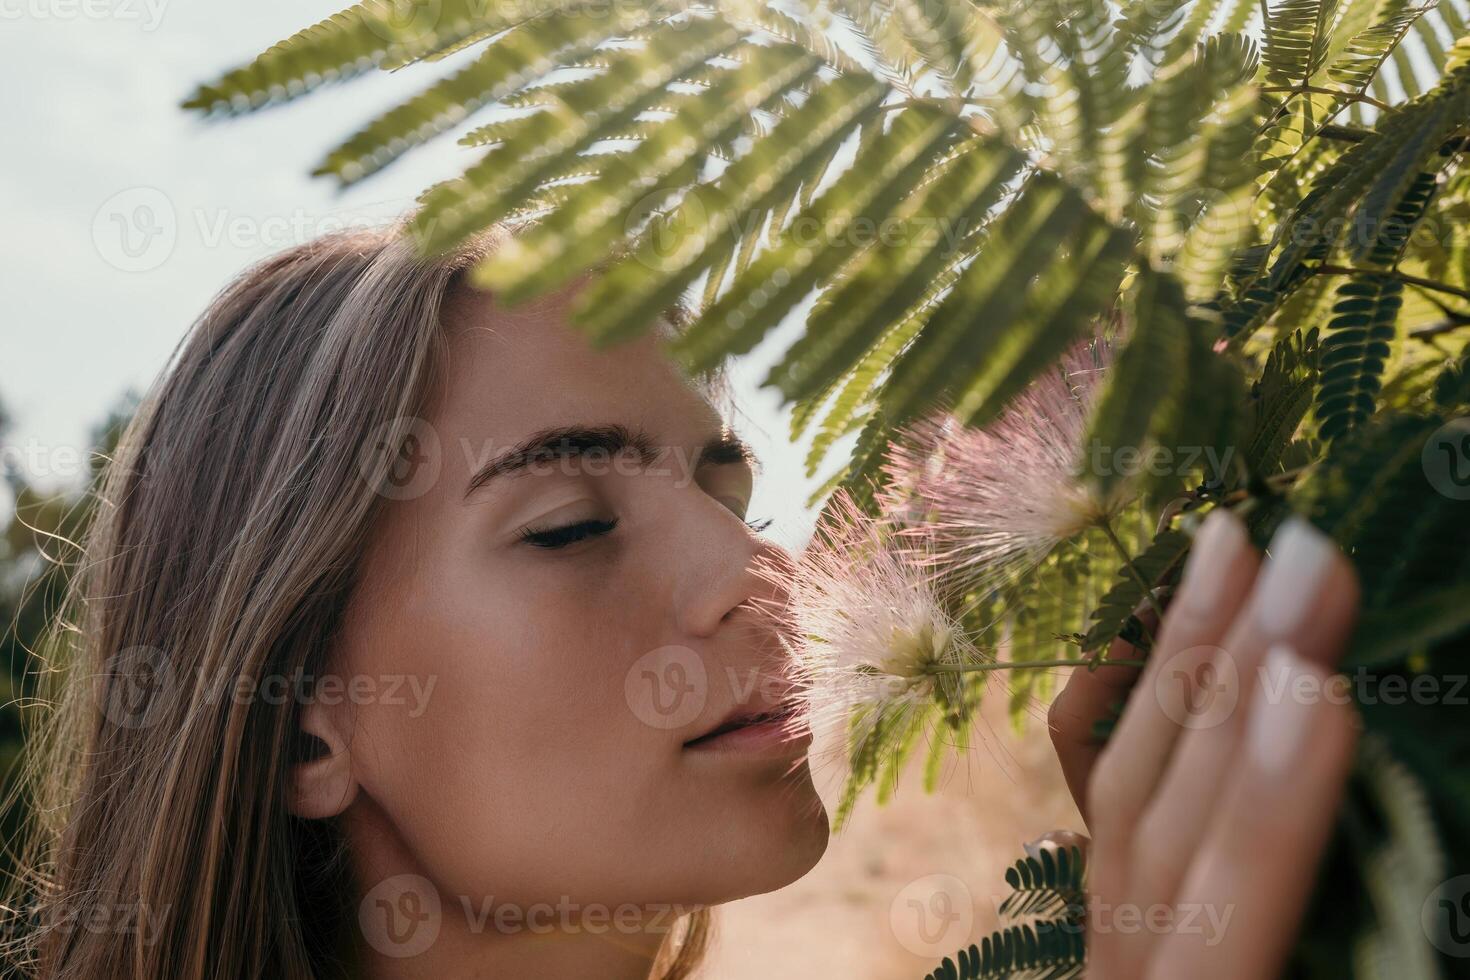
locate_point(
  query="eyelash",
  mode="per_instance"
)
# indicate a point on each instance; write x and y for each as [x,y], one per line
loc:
[560,537]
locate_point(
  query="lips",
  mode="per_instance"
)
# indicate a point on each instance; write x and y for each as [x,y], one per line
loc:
[772,717]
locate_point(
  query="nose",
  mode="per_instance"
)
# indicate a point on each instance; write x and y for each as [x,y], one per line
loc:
[733,569]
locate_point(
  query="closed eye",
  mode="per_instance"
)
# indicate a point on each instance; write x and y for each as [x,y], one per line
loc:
[560,537]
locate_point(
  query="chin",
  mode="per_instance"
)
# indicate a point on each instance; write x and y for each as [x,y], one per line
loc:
[772,839]
[806,843]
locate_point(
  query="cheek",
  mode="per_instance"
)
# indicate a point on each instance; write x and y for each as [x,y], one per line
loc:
[526,720]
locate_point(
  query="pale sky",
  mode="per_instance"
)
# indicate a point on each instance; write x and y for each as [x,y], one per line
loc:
[96,151]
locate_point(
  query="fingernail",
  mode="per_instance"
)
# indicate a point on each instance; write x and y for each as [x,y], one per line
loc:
[1055,840]
[1285,593]
[1220,540]
[1280,717]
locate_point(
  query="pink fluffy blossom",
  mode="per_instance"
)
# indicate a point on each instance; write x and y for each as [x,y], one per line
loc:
[871,642]
[988,503]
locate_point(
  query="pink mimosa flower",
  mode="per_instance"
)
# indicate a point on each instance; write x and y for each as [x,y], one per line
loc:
[987,503]
[869,641]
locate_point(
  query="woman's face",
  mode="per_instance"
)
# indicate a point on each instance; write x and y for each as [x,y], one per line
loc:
[571,616]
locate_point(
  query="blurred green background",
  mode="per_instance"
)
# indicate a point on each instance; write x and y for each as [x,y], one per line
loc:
[42,525]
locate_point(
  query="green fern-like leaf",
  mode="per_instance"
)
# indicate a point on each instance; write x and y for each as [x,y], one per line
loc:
[1068,297]
[1385,635]
[1400,868]
[1298,39]
[1358,66]
[630,296]
[1398,186]
[578,235]
[1145,381]
[987,300]
[1158,565]
[1408,535]
[822,239]
[1049,884]
[346,45]
[1280,399]
[1452,387]
[1054,950]
[851,402]
[528,50]
[882,283]
[1355,348]
[583,112]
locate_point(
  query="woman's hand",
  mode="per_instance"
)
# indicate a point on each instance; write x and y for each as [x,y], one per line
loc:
[1211,804]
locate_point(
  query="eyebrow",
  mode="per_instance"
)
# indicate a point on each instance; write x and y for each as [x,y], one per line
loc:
[569,441]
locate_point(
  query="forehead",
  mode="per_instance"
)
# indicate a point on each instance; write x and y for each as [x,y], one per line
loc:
[511,371]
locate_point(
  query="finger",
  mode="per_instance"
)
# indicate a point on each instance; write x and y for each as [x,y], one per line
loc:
[1217,578]
[1089,697]
[1216,582]
[1306,597]
[1247,890]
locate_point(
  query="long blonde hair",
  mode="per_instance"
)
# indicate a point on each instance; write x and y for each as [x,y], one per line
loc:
[224,546]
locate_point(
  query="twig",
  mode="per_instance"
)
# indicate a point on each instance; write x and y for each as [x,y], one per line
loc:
[912,104]
[1032,665]
[1436,329]
[1320,90]
[954,105]
[1148,590]
[1355,134]
[1351,134]
[1275,481]
[1404,277]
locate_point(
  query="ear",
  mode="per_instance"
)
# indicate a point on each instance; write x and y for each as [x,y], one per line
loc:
[322,783]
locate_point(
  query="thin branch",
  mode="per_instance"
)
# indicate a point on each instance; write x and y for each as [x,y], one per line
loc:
[911,104]
[1404,277]
[955,105]
[1351,134]
[1276,481]
[1321,90]
[1148,590]
[1357,134]
[1428,333]
[1087,662]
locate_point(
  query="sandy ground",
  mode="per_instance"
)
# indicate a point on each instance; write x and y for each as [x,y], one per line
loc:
[910,882]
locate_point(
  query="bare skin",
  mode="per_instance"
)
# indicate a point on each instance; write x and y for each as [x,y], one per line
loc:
[542,796]
[547,818]
[1216,795]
